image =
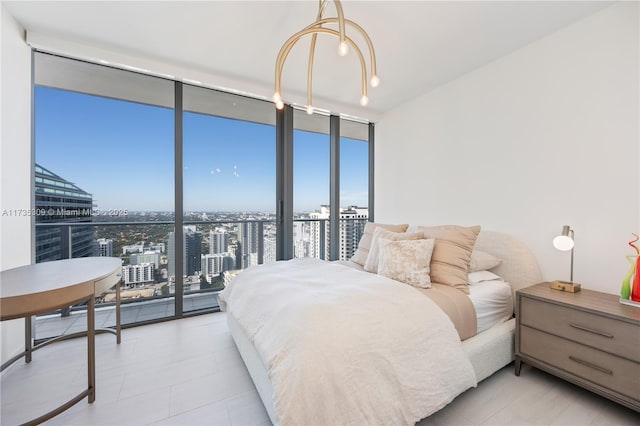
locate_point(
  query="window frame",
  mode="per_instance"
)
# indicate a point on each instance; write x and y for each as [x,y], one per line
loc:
[284,122]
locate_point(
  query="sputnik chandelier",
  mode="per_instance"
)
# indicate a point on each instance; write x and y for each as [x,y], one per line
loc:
[318,27]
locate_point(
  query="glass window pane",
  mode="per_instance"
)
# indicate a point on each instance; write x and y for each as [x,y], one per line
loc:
[229,190]
[311,185]
[354,185]
[104,182]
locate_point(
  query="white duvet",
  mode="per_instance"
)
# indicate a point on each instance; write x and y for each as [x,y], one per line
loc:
[343,346]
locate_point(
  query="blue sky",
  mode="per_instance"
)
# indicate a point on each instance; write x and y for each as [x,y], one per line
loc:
[122,153]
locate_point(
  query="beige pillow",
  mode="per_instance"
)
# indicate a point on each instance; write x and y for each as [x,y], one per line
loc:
[371,265]
[451,253]
[406,261]
[482,261]
[360,256]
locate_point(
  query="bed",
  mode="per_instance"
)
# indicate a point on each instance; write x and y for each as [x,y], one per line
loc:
[482,354]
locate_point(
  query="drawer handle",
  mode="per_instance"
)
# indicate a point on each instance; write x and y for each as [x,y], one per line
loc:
[591,330]
[588,364]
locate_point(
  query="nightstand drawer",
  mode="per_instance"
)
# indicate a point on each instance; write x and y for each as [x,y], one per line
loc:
[618,374]
[607,334]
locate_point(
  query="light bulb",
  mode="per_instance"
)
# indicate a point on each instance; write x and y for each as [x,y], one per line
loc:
[375,81]
[563,242]
[364,100]
[343,48]
[309,110]
[276,97]
[279,104]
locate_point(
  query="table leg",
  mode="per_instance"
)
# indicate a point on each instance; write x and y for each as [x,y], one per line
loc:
[91,348]
[28,344]
[118,313]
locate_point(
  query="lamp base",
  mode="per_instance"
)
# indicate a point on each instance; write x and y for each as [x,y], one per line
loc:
[568,286]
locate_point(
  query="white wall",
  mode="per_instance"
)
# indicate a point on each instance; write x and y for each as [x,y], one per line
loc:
[15,158]
[544,137]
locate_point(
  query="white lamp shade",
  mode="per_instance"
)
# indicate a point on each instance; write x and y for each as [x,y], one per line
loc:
[563,242]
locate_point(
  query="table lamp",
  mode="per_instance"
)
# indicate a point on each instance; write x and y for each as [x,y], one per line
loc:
[565,242]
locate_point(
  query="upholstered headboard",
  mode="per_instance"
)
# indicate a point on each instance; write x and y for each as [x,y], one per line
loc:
[519,266]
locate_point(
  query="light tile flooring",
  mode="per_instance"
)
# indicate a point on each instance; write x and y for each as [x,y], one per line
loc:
[188,372]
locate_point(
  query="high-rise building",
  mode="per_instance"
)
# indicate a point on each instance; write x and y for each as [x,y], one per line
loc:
[237,252]
[104,247]
[146,257]
[132,248]
[352,222]
[142,248]
[248,239]
[300,239]
[218,241]
[319,233]
[269,254]
[60,201]
[192,242]
[216,264]
[138,274]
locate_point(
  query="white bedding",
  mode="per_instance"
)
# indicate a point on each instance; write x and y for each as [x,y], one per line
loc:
[345,347]
[493,302]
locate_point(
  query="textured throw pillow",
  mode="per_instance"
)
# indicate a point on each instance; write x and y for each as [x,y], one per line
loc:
[371,265]
[406,261]
[360,256]
[482,261]
[451,253]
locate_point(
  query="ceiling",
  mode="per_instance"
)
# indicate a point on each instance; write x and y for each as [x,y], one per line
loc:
[419,45]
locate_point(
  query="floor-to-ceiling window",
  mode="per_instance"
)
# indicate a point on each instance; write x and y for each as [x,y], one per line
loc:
[354,185]
[179,181]
[103,181]
[311,185]
[228,190]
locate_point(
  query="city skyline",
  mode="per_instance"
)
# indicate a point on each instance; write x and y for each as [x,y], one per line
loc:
[123,156]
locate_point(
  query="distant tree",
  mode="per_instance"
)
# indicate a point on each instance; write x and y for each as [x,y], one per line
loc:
[217,283]
[164,290]
[204,284]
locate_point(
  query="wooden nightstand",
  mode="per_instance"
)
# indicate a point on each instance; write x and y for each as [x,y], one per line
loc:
[587,338]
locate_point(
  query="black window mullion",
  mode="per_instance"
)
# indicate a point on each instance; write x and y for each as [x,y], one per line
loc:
[371,170]
[179,210]
[284,183]
[334,190]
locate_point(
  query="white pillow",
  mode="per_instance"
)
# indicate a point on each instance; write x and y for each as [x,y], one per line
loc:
[371,265]
[360,256]
[407,261]
[481,261]
[480,276]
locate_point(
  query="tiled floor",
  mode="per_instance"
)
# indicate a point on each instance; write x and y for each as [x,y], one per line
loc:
[188,372]
[177,372]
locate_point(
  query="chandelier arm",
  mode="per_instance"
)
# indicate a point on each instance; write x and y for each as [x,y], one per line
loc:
[372,51]
[312,51]
[322,5]
[367,39]
[288,45]
[341,21]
